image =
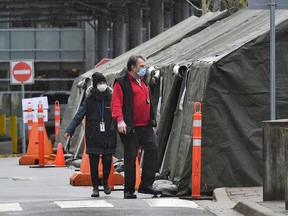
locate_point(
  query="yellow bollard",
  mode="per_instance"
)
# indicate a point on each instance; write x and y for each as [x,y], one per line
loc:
[2,124]
[13,133]
[243,3]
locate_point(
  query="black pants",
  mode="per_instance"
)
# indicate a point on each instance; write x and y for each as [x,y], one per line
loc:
[106,164]
[146,138]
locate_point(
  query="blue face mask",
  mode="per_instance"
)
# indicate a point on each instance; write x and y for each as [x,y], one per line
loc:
[142,72]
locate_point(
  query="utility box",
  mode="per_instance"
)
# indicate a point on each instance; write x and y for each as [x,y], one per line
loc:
[274,150]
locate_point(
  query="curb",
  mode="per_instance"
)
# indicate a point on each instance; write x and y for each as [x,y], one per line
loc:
[245,207]
[253,209]
[220,195]
[10,155]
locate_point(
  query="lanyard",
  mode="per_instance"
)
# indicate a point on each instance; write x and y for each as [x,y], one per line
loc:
[101,109]
[145,93]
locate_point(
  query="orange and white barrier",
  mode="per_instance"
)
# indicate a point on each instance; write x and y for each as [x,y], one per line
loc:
[29,118]
[57,117]
[196,151]
[41,134]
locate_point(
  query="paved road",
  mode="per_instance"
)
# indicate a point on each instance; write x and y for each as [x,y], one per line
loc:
[46,191]
[104,206]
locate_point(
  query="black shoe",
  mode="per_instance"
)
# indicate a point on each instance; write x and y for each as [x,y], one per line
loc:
[107,189]
[95,193]
[149,190]
[129,195]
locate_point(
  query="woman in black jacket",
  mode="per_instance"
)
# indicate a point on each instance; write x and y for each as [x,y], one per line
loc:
[100,130]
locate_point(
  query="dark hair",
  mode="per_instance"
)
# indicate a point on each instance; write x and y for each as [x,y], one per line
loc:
[133,61]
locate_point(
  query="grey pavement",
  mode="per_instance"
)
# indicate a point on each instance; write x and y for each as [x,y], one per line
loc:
[243,200]
[249,201]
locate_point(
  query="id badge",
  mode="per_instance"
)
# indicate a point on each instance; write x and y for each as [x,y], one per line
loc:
[102,126]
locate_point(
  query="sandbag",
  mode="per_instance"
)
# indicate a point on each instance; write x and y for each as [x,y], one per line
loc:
[167,187]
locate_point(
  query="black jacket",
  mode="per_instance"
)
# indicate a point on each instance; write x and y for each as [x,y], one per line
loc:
[91,109]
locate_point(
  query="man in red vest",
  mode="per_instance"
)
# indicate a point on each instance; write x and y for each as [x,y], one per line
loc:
[132,109]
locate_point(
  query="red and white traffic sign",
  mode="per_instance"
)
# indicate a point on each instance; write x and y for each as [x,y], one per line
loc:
[22,72]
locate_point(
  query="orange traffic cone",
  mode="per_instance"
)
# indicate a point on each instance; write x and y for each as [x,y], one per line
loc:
[60,161]
[83,177]
[111,176]
[32,155]
[138,175]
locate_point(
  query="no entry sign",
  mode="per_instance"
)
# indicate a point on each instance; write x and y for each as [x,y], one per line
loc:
[22,72]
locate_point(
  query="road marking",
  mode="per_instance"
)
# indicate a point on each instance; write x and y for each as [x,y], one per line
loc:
[5,207]
[97,203]
[170,202]
[83,204]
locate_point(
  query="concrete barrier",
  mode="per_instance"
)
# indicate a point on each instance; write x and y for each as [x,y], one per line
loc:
[274,178]
[286,166]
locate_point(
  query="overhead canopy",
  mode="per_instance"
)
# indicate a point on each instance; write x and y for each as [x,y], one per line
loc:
[228,72]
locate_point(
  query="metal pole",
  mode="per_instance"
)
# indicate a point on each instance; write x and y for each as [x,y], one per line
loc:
[272,61]
[23,124]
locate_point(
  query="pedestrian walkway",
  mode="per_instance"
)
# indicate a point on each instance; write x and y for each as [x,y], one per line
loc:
[249,201]
[103,203]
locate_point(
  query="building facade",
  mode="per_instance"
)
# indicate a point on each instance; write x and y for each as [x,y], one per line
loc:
[63,45]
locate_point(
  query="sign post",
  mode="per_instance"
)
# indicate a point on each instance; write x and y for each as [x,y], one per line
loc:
[272,5]
[22,72]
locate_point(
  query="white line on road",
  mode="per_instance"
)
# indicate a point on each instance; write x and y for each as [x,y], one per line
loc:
[84,204]
[5,207]
[169,202]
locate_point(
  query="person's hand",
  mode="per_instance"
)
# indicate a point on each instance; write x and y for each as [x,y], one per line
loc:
[66,135]
[121,125]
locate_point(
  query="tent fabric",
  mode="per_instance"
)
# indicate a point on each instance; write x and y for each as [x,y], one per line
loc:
[114,68]
[172,82]
[228,71]
[229,75]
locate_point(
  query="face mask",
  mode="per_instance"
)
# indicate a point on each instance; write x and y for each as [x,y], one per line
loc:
[142,72]
[102,87]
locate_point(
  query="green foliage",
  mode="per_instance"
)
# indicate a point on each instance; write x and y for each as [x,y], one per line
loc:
[231,6]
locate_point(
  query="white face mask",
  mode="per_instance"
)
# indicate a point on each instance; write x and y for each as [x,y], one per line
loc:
[102,87]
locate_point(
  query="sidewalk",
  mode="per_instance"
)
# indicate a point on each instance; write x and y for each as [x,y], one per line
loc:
[249,201]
